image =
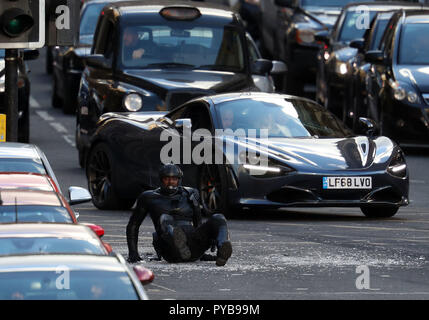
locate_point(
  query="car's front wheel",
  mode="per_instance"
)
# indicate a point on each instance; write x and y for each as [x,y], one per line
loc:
[99,172]
[379,212]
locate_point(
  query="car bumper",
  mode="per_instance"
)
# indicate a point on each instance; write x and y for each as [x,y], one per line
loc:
[306,190]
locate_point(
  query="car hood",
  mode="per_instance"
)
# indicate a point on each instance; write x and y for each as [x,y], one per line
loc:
[417,75]
[327,15]
[176,86]
[345,54]
[319,155]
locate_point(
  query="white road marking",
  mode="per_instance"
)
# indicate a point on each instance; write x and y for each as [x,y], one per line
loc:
[58,127]
[70,141]
[45,116]
[34,103]
[417,181]
[157,285]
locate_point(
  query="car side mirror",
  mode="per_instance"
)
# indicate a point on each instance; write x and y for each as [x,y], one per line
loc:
[144,275]
[375,57]
[279,67]
[261,66]
[98,61]
[78,195]
[30,54]
[182,124]
[323,37]
[286,3]
[357,44]
[368,126]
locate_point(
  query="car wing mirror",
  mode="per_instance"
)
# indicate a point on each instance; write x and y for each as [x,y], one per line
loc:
[99,231]
[144,275]
[375,57]
[262,66]
[98,61]
[181,124]
[322,37]
[357,44]
[368,127]
[78,195]
[279,67]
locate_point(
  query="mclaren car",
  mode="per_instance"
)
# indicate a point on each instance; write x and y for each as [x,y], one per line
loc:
[249,150]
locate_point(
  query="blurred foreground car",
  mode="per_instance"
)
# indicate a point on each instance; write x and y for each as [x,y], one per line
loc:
[71,277]
[47,238]
[312,159]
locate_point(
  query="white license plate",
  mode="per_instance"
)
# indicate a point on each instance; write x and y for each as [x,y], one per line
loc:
[347,183]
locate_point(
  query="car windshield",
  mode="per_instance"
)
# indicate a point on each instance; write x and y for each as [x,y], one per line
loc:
[50,245]
[175,44]
[80,285]
[327,3]
[22,165]
[281,117]
[355,24]
[414,44]
[8,214]
[2,52]
[88,22]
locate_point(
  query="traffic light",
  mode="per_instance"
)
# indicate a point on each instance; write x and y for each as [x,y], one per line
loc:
[22,24]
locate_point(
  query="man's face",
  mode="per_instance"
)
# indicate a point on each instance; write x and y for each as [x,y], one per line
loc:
[130,38]
[170,181]
[227,119]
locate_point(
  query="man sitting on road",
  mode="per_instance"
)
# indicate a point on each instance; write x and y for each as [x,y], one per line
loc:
[176,215]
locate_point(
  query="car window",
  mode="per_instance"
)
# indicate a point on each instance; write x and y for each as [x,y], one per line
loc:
[378,33]
[253,51]
[282,118]
[88,21]
[83,285]
[9,214]
[22,165]
[353,26]
[178,43]
[50,245]
[414,44]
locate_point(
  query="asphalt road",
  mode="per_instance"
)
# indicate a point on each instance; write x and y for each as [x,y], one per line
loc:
[289,254]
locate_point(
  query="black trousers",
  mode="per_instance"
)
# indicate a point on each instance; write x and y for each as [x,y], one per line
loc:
[199,239]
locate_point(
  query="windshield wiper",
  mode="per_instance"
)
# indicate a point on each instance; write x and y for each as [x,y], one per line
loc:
[219,67]
[170,65]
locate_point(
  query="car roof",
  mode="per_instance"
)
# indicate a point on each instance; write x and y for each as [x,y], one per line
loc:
[46,230]
[27,181]
[383,5]
[18,150]
[135,7]
[416,16]
[73,262]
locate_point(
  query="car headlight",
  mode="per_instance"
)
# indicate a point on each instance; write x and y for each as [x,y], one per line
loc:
[341,68]
[397,166]
[402,91]
[305,36]
[133,102]
[263,168]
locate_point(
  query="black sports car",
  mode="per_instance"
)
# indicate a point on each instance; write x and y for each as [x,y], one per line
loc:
[304,157]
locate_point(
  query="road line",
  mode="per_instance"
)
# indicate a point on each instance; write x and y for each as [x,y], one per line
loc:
[34,103]
[157,285]
[70,141]
[58,127]
[45,116]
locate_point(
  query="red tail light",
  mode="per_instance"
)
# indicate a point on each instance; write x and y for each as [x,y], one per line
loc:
[97,229]
[144,275]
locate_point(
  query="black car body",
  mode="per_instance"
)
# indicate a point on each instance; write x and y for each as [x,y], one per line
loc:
[333,58]
[311,159]
[186,57]
[250,11]
[68,62]
[398,82]
[23,93]
[288,29]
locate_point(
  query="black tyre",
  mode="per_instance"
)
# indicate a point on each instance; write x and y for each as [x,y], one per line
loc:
[69,103]
[99,172]
[379,212]
[213,188]
[49,61]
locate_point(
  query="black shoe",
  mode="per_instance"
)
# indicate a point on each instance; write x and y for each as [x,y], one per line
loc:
[179,239]
[223,253]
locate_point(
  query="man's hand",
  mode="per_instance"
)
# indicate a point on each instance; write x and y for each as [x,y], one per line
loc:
[137,54]
[134,257]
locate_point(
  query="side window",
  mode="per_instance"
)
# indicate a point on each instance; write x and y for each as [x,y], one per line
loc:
[253,53]
[104,40]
